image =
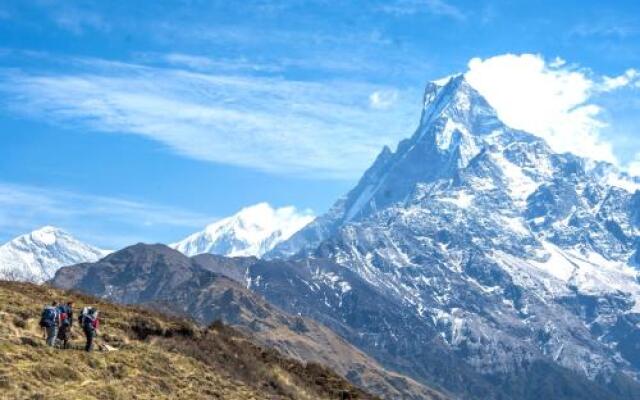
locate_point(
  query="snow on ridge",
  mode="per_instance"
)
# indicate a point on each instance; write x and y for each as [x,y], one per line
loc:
[462,199]
[252,231]
[522,231]
[46,235]
[588,272]
[520,185]
[36,256]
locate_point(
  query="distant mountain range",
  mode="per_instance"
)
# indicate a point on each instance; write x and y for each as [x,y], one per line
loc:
[253,231]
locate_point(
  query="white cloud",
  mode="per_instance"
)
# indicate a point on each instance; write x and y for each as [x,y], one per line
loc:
[290,127]
[552,100]
[558,62]
[633,168]
[383,99]
[629,77]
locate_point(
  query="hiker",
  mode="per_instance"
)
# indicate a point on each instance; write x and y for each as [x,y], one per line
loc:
[49,321]
[66,321]
[90,324]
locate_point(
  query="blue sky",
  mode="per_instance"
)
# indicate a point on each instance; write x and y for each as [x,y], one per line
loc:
[129,121]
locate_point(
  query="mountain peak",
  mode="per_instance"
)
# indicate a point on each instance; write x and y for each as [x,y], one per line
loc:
[458,102]
[47,234]
[449,84]
[252,231]
[456,126]
[37,255]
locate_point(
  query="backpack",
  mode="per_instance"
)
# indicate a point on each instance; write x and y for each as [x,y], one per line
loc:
[48,318]
[84,313]
[65,315]
[64,319]
[87,323]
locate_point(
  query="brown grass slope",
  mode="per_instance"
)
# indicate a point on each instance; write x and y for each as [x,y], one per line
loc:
[153,357]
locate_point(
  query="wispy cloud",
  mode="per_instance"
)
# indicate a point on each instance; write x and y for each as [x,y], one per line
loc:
[606,28]
[335,63]
[630,77]
[201,63]
[440,8]
[273,124]
[24,208]
[383,99]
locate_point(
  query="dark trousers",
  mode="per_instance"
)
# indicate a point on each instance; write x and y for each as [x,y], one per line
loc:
[89,334]
[64,333]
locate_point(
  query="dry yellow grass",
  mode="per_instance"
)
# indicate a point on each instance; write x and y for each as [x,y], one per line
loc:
[156,358]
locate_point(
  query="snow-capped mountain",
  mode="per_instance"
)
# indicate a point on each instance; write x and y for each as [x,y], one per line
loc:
[513,254]
[252,231]
[36,256]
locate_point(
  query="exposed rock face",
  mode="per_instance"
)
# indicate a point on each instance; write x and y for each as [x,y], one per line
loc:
[509,253]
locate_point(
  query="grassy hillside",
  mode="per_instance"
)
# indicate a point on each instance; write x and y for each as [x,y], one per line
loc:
[144,355]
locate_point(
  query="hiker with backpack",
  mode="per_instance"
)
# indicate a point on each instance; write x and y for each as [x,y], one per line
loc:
[66,321]
[90,323]
[50,321]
